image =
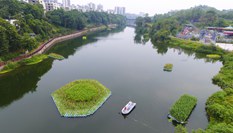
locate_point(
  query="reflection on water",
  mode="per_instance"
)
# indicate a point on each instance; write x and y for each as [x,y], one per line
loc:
[15,84]
[130,71]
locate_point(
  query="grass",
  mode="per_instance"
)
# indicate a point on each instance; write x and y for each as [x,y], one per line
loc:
[183,107]
[9,67]
[34,60]
[213,56]
[80,98]
[168,67]
[56,56]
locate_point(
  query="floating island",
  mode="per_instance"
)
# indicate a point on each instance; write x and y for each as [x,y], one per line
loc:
[168,67]
[80,98]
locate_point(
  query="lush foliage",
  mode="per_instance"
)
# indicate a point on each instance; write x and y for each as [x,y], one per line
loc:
[80,98]
[220,111]
[195,46]
[224,78]
[34,60]
[183,107]
[180,129]
[168,67]
[82,92]
[56,56]
[33,26]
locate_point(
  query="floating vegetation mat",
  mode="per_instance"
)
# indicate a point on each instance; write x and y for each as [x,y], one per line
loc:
[182,108]
[80,98]
[168,67]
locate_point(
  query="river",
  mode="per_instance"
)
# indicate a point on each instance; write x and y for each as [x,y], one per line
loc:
[130,70]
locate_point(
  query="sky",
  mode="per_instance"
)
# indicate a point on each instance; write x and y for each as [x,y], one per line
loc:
[156,6]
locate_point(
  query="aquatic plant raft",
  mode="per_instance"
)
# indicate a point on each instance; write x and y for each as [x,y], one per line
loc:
[183,107]
[168,67]
[80,98]
[56,56]
[213,56]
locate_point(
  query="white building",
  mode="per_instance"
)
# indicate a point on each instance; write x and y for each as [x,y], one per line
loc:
[37,2]
[100,8]
[66,3]
[24,1]
[48,1]
[92,6]
[50,6]
[120,10]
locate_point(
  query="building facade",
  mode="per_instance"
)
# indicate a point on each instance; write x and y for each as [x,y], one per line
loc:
[66,3]
[120,10]
[50,6]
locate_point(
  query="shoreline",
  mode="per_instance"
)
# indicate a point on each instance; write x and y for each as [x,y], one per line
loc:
[53,41]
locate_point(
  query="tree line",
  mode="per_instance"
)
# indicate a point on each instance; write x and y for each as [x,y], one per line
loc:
[160,26]
[32,20]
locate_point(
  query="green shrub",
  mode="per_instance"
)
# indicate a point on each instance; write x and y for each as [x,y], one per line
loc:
[219,106]
[183,107]
[180,129]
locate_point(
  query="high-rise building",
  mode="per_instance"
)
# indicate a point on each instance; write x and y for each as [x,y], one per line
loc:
[91,6]
[66,3]
[100,8]
[120,10]
[50,6]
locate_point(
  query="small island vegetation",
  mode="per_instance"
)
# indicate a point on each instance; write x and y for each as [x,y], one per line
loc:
[56,56]
[213,56]
[80,98]
[168,67]
[34,60]
[183,107]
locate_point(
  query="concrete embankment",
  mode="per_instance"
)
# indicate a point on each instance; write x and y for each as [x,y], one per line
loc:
[42,48]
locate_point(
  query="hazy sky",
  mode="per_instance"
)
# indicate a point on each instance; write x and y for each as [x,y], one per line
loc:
[156,6]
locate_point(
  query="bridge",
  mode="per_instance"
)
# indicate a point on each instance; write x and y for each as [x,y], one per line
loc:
[131,22]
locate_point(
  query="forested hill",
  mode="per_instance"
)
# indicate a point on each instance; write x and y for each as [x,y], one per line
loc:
[160,26]
[31,19]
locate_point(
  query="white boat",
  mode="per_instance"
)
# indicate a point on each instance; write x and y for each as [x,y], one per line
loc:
[128,108]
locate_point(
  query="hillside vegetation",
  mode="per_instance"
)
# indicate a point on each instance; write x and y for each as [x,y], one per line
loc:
[33,26]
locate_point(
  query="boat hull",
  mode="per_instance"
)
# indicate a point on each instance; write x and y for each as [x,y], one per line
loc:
[128,108]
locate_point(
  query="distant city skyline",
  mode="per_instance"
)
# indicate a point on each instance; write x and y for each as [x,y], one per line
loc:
[155,6]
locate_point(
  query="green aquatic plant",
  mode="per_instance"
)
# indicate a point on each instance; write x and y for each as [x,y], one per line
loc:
[56,56]
[213,56]
[168,67]
[80,98]
[183,107]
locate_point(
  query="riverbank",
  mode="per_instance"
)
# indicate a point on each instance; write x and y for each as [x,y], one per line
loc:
[45,46]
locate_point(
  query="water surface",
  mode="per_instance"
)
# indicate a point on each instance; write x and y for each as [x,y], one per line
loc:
[131,71]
